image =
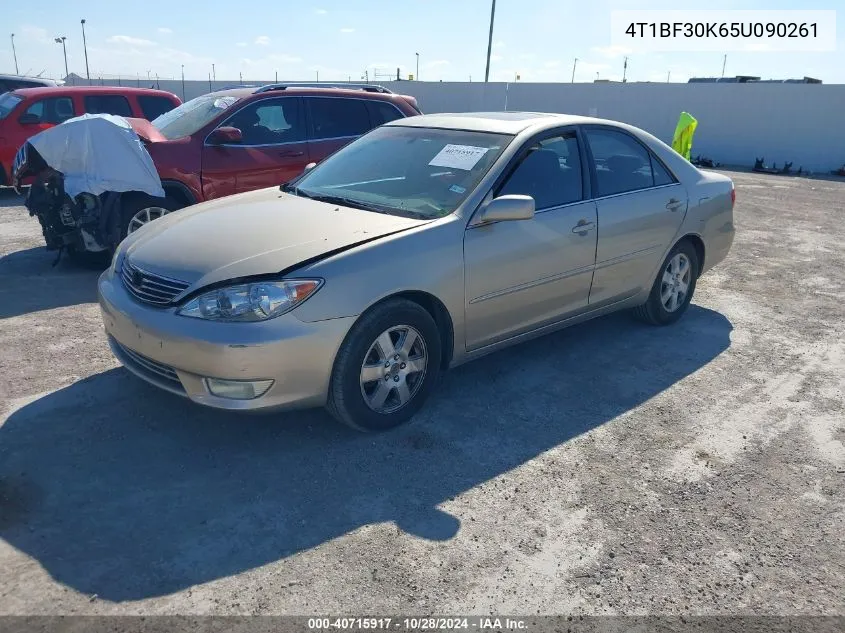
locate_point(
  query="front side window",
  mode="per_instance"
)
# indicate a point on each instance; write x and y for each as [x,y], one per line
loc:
[52,110]
[338,117]
[107,104]
[550,173]
[269,122]
[153,107]
[408,171]
[190,117]
[8,102]
[622,164]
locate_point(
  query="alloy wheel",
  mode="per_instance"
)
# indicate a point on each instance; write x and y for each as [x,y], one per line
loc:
[145,216]
[393,369]
[676,282]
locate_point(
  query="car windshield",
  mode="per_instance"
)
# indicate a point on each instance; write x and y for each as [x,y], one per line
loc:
[409,171]
[192,115]
[8,102]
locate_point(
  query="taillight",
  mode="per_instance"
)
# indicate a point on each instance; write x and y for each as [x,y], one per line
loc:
[733,196]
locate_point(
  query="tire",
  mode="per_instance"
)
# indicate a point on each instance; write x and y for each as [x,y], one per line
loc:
[135,205]
[352,398]
[657,310]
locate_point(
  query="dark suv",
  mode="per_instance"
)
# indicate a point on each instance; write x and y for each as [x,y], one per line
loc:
[242,139]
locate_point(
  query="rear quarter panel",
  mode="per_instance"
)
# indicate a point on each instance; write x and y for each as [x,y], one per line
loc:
[710,216]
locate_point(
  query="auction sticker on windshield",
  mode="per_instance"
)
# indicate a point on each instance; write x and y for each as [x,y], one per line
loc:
[458,157]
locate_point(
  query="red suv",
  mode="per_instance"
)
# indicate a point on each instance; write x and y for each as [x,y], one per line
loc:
[28,111]
[242,139]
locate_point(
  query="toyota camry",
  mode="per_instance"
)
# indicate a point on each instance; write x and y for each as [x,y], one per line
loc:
[426,243]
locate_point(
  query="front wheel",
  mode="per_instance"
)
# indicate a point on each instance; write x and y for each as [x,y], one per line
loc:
[141,210]
[386,368]
[673,289]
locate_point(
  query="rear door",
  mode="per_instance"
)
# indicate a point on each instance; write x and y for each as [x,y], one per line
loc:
[333,122]
[641,207]
[107,104]
[274,149]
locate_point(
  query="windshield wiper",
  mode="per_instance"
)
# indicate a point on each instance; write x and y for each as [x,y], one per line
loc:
[347,202]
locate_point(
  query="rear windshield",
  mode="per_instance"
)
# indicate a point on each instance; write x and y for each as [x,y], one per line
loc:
[8,102]
[192,115]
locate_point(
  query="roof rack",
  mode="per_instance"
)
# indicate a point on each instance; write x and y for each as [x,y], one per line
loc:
[347,86]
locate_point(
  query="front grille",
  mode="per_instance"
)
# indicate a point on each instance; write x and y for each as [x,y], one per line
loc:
[148,364]
[149,288]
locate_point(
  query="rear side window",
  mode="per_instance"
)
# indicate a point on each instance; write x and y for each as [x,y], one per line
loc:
[661,174]
[381,112]
[622,164]
[52,110]
[154,107]
[550,173]
[338,117]
[107,104]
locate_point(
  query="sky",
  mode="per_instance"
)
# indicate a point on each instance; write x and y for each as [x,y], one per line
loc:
[537,40]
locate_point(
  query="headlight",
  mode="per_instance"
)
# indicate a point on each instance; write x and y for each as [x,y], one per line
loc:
[114,261]
[251,302]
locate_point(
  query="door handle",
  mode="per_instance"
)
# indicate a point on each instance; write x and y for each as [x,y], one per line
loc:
[583,227]
[674,204]
[291,154]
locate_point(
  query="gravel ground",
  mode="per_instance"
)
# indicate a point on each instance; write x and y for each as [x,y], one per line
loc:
[609,468]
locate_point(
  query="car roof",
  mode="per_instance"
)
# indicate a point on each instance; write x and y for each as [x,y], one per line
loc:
[69,90]
[496,122]
[41,80]
[246,91]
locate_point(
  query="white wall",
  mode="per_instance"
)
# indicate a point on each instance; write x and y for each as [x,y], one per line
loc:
[801,123]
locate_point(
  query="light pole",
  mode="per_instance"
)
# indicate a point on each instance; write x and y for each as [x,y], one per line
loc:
[574,64]
[183,82]
[15,54]
[724,61]
[61,40]
[490,41]
[213,73]
[418,66]
[85,48]
[625,71]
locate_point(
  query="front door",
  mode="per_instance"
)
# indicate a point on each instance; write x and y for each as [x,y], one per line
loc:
[273,149]
[641,207]
[521,275]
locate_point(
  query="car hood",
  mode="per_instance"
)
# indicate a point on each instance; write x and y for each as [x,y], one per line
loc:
[255,233]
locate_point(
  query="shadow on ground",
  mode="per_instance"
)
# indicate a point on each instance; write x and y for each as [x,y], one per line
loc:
[32,283]
[8,198]
[123,491]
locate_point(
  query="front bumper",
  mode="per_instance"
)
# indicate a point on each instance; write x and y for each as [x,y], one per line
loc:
[176,353]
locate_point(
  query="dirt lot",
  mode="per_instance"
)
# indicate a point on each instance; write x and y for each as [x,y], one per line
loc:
[609,468]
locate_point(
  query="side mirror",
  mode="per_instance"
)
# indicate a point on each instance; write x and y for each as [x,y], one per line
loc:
[29,119]
[309,167]
[225,135]
[504,208]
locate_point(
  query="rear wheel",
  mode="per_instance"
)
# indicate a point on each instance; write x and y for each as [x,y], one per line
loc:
[386,368]
[673,289]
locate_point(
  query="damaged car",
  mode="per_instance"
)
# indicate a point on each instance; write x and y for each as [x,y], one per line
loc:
[92,183]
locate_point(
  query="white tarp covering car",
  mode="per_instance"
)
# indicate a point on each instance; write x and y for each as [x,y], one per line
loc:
[92,183]
[98,153]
